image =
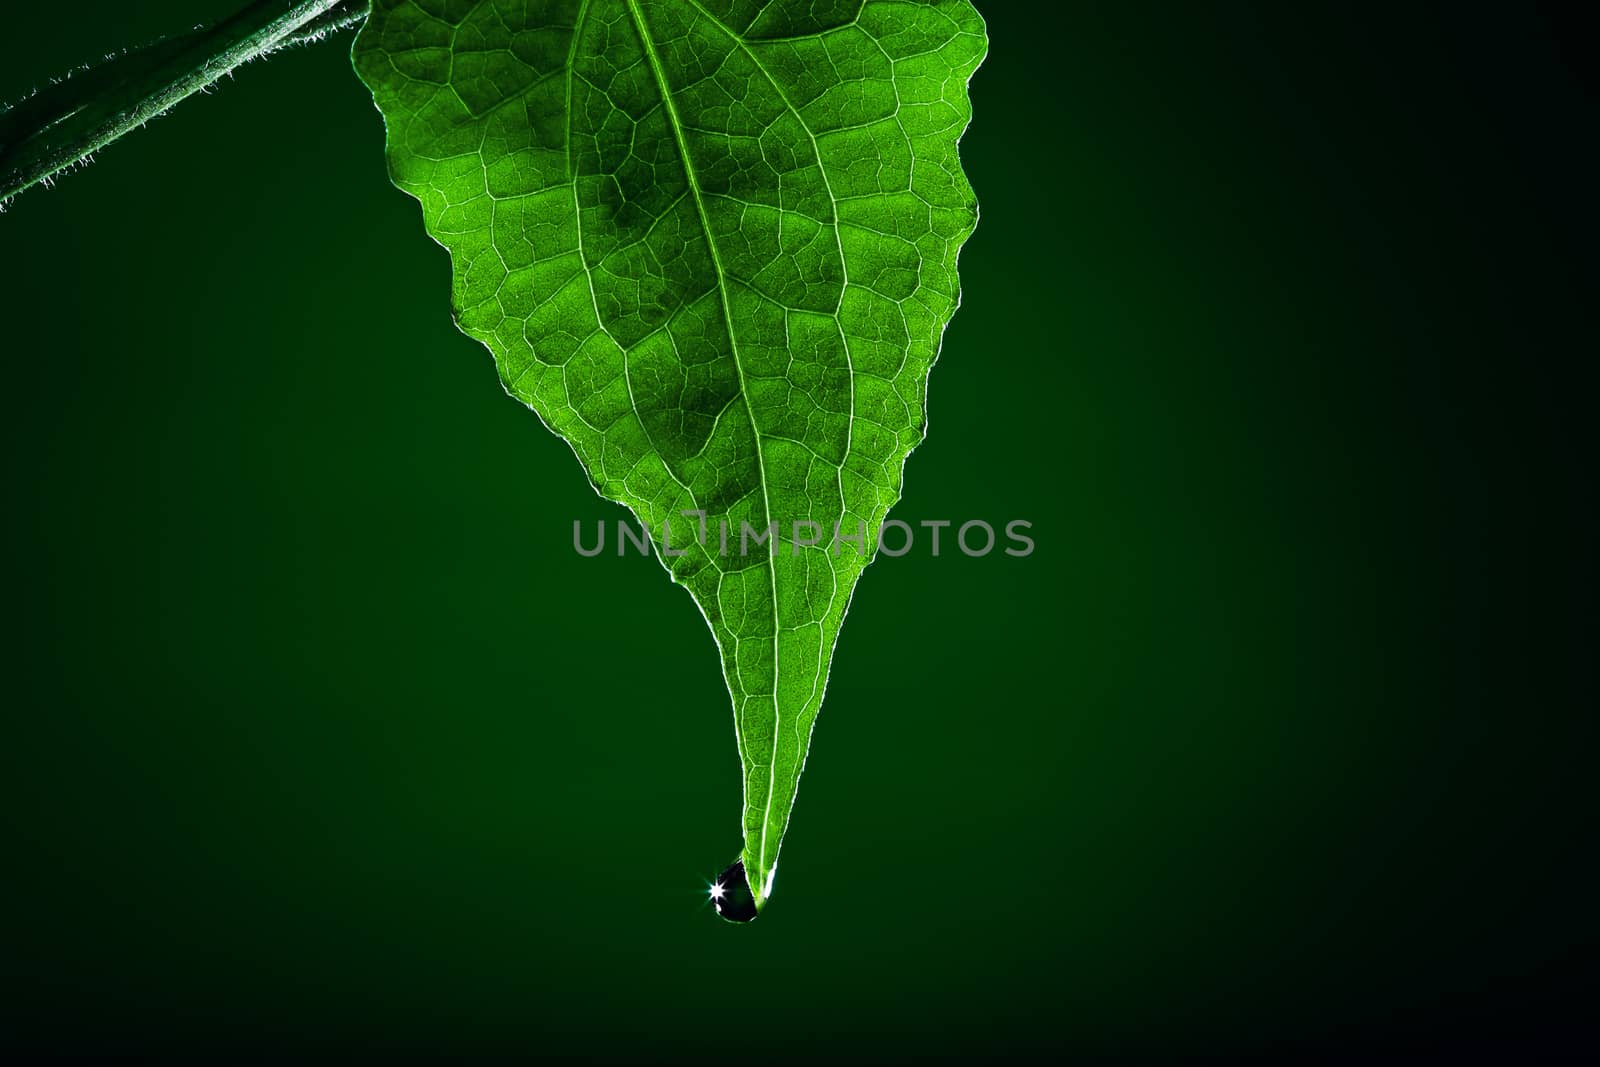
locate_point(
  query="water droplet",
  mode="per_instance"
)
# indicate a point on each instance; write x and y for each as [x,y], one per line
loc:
[733,898]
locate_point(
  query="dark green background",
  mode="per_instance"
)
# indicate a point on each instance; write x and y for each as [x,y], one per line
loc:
[320,737]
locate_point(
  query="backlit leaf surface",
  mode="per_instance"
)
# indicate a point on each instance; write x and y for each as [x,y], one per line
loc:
[713,244]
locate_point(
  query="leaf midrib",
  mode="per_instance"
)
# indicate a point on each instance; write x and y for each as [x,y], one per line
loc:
[656,70]
[835,224]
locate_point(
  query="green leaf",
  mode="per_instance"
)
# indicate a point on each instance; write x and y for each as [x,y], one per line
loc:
[712,243]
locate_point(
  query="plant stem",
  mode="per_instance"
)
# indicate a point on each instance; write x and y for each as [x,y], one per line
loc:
[65,123]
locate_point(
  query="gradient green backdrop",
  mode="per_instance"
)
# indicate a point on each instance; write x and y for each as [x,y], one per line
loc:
[319,736]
